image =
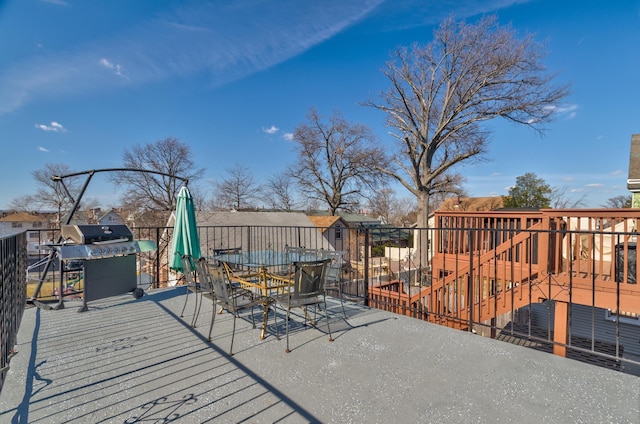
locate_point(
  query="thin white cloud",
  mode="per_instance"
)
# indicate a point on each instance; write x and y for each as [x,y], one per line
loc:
[116,68]
[271,130]
[56,2]
[287,136]
[54,126]
[568,111]
[190,39]
[594,185]
[204,38]
[617,172]
[43,149]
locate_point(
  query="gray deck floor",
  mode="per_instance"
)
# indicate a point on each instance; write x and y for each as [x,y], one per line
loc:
[137,361]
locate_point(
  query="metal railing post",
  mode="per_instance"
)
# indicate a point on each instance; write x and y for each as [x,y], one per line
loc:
[470,291]
[366,267]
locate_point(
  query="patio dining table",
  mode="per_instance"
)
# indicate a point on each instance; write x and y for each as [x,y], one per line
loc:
[263,272]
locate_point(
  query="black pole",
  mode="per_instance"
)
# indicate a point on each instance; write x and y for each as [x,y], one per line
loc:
[366,267]
[52,254]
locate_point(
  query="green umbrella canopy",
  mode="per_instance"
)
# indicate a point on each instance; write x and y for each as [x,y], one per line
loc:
[185,240]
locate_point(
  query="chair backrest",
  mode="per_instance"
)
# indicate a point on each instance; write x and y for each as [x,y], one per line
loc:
[221,284]
[309,279]
[188,269]
[335,266]
[227,250]
[204,275]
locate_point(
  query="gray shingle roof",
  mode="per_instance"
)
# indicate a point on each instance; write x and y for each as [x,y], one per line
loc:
[231,218]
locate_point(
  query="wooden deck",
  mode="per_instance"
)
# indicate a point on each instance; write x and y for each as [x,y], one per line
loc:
[487,264]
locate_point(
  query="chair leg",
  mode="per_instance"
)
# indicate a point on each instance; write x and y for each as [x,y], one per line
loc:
[275,321]
[287,330]
[195,308]
[326,311]
[213,318]
[342,301]
[233,334]
[197,311]
[253,319]
[186,298]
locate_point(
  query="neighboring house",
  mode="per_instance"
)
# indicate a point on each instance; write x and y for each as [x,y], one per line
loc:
[257,230]
[97,216]
[355,220]
[111,217]
[334,229]
[35,226]
[633,182]
[356,224]
[590,327]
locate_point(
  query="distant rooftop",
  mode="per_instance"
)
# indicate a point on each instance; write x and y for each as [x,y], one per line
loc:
[633,183]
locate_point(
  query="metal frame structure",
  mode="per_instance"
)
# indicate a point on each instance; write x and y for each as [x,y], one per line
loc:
[76,204]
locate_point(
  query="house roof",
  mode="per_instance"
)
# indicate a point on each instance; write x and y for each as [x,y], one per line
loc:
[633,182]
[253,218]
[324,221]
[115,215]
[349,218]
[472,203]
[23,217]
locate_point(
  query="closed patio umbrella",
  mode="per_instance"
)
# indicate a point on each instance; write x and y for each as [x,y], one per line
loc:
[185,240]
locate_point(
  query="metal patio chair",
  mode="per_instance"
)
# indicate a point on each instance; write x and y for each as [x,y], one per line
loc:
[333,278]
[193,286]
[306,289]
[229,297]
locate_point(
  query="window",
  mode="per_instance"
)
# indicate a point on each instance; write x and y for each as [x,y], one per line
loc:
[16,224]
[37,224]
[338,233]
[624,317]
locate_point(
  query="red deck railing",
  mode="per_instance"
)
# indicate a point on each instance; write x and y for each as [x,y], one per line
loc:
[486,264]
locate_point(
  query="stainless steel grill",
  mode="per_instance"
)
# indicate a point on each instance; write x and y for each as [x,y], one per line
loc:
[108,257]
[100,241]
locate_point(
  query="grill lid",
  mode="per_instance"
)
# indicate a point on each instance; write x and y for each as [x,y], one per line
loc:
[89,234]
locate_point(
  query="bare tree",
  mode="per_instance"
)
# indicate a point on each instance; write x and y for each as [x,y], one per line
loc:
[336,161]
[280,190]
[381,204]
[239,189]
[443,92]
[406,211]
[394,211]
[151,195]
[618,202]
[50,194]
[560,199]
[26,203]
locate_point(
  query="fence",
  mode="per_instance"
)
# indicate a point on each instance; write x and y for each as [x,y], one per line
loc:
[13,263]
[558,282]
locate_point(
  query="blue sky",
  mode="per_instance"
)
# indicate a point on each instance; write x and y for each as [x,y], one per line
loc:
[81,80]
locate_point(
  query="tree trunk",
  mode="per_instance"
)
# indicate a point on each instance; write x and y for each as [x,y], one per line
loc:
[423,210]
[425,234]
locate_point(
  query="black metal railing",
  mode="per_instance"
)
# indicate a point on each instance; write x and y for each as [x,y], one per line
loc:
[500,280]
[13,265]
